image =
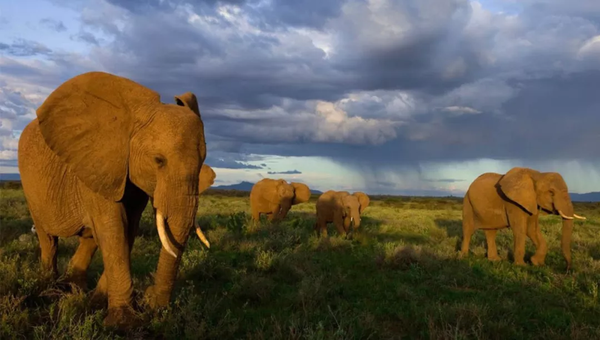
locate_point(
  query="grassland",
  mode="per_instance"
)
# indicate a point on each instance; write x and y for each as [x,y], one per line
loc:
[398,278]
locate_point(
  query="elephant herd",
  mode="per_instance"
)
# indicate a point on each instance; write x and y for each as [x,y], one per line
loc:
[274,198]
[103,146]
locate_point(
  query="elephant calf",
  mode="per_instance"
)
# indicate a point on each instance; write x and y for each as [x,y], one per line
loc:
[495,201]
[275,197]
[341,208]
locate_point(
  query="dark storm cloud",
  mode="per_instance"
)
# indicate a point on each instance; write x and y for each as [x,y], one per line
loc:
[227,160]
[289,172]
[55,25]
[86,37]
[24,48]
[412,81]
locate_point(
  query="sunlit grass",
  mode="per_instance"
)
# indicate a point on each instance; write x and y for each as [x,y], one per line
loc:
[398,278]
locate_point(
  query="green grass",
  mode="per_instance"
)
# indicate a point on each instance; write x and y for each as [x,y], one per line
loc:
[398,278]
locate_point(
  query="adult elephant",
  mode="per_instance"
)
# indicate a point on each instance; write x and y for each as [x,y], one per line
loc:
[494,201]
[341,208]
[275,197]
[100,147]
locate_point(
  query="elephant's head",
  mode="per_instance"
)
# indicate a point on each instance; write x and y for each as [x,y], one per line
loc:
[363,200]
[285,194]
[548,191]
[301,193]
[114,133]
[350,210]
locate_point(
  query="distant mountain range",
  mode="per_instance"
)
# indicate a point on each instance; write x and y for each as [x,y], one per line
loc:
[588,197]
[247,186]
[10,177]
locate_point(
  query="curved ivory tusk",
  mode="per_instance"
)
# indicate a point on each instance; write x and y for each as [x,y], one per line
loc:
[351,219]
[564,216]
[201,236]
[579,217]
[162,233]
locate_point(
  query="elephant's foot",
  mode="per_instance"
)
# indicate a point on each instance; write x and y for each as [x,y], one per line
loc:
[537,260]
[462,254]
[520,262]
[155,299]
[123,318]
[99,297]
[494,258]
[77,279]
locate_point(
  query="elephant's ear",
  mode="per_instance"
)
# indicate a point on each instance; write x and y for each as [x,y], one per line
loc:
[207,178]
[88,121]
[301,193]
[518,186]
[188,100]
[363,200]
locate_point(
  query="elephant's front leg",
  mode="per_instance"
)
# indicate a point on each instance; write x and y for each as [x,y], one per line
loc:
[519,244]
[535,234]
[492,251]
[338,221]
[135,209]
[110,223]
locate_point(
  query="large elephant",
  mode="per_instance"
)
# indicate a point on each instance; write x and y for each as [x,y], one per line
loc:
[275,197]
[494,201]
[101,146]
[341,208]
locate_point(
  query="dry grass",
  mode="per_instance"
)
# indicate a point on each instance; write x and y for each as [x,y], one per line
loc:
[398,278]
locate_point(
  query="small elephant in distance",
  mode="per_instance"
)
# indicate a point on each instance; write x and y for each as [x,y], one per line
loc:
[494,201]
[341,208]
[275,197]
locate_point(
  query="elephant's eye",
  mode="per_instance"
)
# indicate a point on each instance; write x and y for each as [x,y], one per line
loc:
[160,161]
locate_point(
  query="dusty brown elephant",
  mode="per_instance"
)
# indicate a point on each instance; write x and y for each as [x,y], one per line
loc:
[100,147]
[494,201]
[341,208]
[275,197]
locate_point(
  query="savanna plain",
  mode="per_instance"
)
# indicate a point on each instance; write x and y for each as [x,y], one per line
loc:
[399,277]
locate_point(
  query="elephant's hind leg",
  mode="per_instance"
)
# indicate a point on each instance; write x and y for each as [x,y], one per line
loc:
[48,247]
[468,227]
[78,266]
[492,251]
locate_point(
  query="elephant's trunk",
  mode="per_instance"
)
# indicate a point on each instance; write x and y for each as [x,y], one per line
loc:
[174,229]
[564,208]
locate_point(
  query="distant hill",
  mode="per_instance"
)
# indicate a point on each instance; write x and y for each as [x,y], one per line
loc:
[247,186]
[10,177]
[588,197]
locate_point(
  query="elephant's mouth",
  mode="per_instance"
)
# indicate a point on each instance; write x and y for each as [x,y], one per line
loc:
[164,239]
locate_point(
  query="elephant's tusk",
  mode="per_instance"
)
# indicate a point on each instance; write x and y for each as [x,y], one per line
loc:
[162,233]
[351,219]
[202,237]
[579,217]
[564,216]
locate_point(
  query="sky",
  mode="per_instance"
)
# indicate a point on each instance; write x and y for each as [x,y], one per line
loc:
[414,97]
